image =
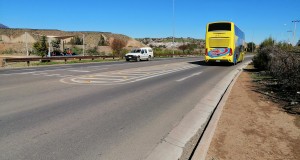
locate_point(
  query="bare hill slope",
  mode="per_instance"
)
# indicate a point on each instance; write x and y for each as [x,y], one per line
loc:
[14,39]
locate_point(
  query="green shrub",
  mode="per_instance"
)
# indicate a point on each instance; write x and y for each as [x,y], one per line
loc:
[262,59]
[92,51]
[9,51]
[40,47]
[267,42]
[76,50]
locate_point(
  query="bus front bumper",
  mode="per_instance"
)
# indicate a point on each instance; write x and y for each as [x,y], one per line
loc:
[225,59]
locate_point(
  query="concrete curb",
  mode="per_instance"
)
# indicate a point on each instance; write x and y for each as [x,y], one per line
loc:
[172,146]
[204,143]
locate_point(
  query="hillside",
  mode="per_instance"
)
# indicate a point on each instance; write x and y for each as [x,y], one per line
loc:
[3,26]
[14,39]
[168,41]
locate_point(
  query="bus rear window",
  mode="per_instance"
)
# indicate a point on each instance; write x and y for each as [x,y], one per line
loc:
[219,27]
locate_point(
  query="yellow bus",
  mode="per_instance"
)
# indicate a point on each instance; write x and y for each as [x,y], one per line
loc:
[224,42]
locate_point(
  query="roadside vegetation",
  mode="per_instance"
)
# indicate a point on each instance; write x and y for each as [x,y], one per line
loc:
[118,46]
[278,68]
[40,47]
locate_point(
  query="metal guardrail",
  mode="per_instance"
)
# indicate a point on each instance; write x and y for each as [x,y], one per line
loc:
[49,59]
[3,61]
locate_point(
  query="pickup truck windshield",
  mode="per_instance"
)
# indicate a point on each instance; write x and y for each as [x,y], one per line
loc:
[136,51]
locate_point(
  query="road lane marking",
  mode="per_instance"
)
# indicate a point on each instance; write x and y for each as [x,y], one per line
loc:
[195,74]
[127,75]
[79,71]
[51,75]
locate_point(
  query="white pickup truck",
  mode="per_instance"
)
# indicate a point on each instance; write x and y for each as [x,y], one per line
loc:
[138,54]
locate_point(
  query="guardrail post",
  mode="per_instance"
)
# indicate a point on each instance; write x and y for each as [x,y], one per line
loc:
[28,63]
[65,60]
[2,62]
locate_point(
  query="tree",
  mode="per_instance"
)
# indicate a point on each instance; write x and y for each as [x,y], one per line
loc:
[285,46]
[117,46]
[183,47]
[40,47]
[56,44]
[251,47]
[267,42]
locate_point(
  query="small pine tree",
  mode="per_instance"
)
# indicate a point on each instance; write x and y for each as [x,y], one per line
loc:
[56,44]
[40,47]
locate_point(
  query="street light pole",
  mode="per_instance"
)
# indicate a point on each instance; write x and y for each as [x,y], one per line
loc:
[294,34]
[289,31]
[83,44]
[173,27]
[27,53]
[49,51]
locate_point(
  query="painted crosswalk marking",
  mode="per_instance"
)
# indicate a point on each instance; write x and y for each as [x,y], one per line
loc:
[127,75]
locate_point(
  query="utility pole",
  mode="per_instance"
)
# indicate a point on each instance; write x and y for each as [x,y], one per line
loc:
[83,44]
[289,31]
[294,33]
[252,43]
[173,27]
[49,51]
[26,43]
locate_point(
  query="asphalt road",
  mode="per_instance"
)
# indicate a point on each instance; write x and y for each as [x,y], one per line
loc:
[115,110]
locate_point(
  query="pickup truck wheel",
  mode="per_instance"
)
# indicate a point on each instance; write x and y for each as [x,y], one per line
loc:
[138,59]
[149,58]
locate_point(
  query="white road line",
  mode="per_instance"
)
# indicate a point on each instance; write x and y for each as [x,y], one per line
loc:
[127,75]
[100,79]
[111,76]
[158,74]
[182,79]
[78,71]
[98,69]
[64,76]
[9,74]
[51,75]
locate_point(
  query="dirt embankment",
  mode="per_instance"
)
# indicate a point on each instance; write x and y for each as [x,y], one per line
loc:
[13,41]
[253,127]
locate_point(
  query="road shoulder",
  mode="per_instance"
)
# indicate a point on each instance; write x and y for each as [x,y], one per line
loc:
[253,127]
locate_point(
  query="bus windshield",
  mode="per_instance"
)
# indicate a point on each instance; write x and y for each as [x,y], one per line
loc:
[219,27]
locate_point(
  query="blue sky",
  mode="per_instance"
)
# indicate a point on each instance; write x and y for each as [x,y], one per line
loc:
[259,19]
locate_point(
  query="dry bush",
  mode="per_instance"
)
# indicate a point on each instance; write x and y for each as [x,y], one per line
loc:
[285,67]
[262,59]
[117,46]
